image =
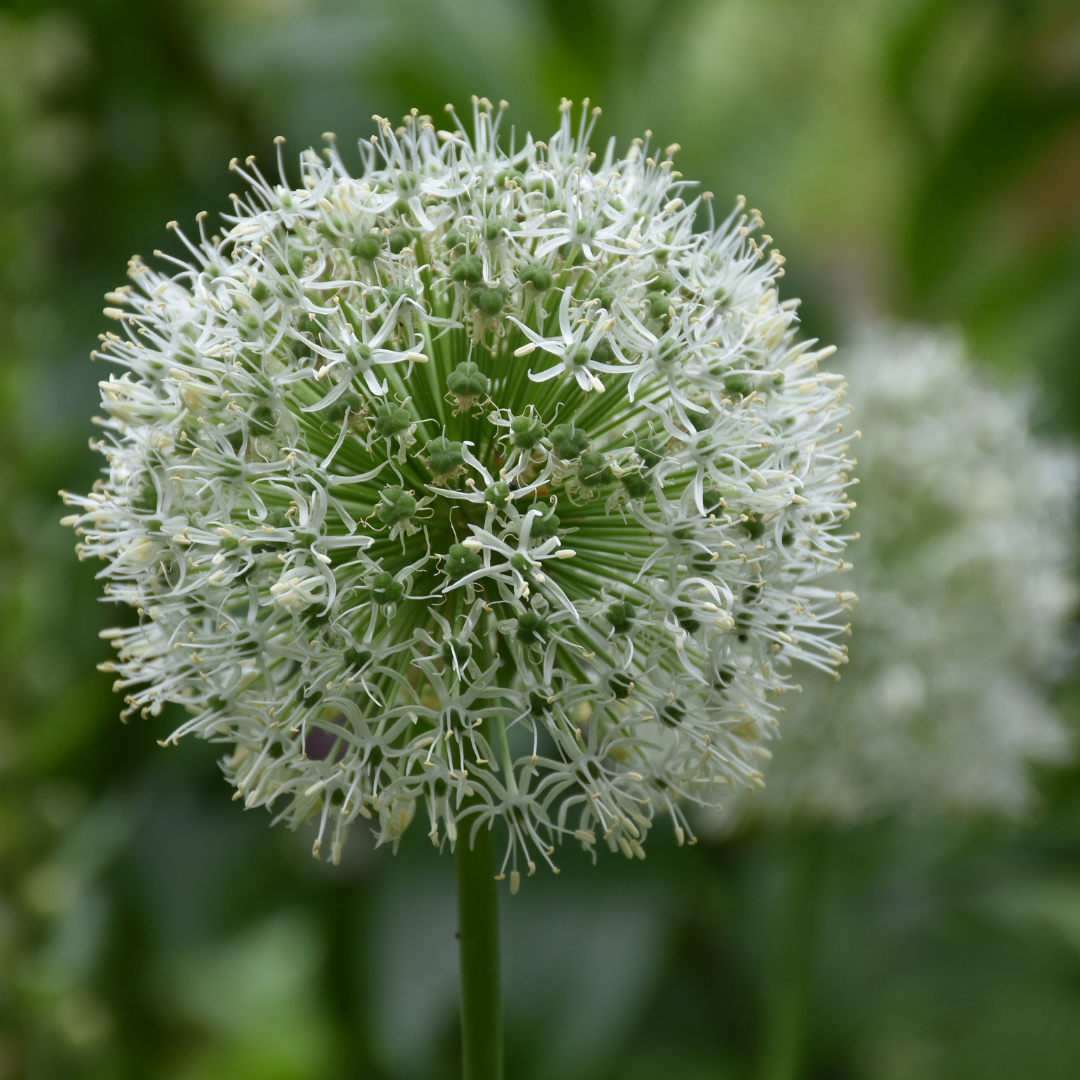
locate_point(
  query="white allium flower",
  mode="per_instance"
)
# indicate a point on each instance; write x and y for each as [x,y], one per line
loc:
[478,481]
[966,586]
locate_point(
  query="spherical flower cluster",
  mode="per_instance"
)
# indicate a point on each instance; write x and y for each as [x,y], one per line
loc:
[965,577]
[479,481]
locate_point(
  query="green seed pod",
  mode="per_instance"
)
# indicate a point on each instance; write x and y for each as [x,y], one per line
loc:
[468,270]
[672,713]
[620,615]
[461,561]
[444,456]
[385,590]
[396,506]
[498,494]
[348,402]
[538,276]
[453,649]
[264,418]
[366,248]
[399,239]
[392,421]
[542,183]
[396,292]
[686,619]
[701,563]
[493,229]
[467,381]
[407,181]
[543,528]
[636,483]
[568,441]
[753,528]
[489,300]
[538,703]
[357,658]
[739,384]
[594,471]
[658,304]
[606,296]
[603,353]
[526,432]
[650,452]
[532,628]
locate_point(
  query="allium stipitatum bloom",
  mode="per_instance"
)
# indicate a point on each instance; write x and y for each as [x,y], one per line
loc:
[965,576]
[478,482]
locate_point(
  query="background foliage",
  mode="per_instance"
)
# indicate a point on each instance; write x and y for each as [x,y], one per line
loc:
[919,158]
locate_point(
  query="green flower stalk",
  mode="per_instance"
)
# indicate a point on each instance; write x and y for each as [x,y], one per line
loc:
[477,482]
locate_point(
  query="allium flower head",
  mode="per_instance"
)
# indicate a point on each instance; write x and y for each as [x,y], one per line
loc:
[965,577]
[479,482]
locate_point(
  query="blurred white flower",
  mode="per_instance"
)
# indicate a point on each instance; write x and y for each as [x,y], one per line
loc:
[479,481]
[965,579]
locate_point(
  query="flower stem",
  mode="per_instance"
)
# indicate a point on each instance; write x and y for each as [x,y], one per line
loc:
[478,934]
[788,993]
[504,750]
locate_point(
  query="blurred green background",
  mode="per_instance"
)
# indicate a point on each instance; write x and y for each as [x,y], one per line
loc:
[918,158]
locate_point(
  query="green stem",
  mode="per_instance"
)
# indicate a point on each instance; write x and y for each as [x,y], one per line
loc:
[504,750]
[478,933]
[789,989]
